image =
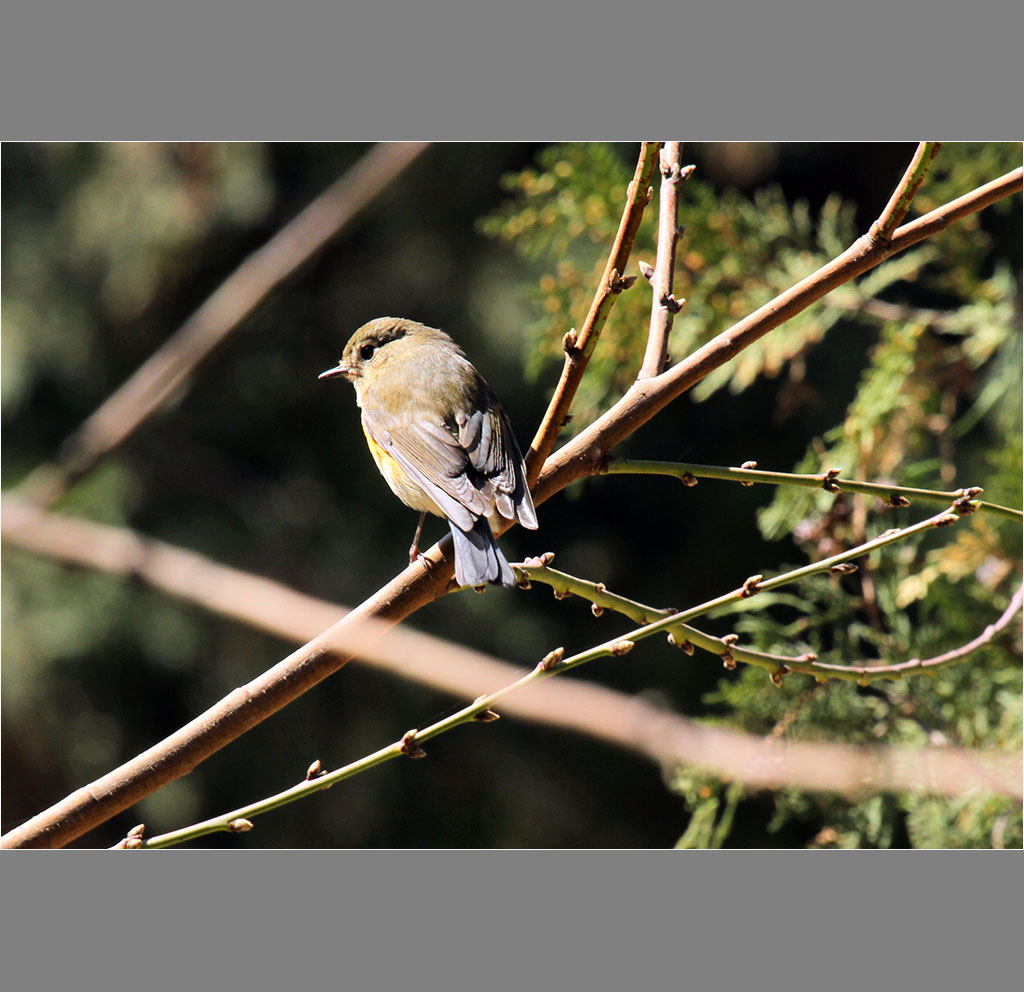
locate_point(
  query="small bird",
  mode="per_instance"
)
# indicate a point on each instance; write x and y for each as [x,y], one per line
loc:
[440,439]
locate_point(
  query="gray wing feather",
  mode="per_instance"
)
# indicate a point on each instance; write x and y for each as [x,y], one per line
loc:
[470,469]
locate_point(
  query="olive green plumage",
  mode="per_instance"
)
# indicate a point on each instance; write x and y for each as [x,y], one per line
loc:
[439,437]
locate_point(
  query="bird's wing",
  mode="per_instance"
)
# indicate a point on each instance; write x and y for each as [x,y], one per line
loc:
[432,455]
[470,469]
[489,441]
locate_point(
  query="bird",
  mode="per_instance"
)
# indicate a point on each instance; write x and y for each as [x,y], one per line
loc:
[440,438]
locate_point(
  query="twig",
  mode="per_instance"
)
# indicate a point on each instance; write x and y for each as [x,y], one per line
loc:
[579,347]
[830,481]
[778,666]
[941,660]
[759,584]
[685,636]
[416,586]
[157,379]
[664,306]
[899,203]
[682,635]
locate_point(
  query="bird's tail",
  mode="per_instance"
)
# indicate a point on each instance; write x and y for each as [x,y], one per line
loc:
[478,559]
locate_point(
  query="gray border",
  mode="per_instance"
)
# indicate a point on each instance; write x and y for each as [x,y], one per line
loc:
[496,920]
[104,69]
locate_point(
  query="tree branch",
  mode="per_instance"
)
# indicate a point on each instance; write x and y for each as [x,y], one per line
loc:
[963,206]
[830,481]
[758,584]
[778,666]
[664,306]
[149,388]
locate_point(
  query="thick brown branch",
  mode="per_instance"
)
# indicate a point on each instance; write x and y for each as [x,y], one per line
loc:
[579,347]
[173,363]
[416,586]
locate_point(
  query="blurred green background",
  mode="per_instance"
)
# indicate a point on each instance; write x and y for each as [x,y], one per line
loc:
[107,248]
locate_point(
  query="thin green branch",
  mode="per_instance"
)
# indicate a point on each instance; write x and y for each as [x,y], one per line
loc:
[682,635]
[757,584]
[478,710]
[244,814]
[899,203]
[687,637]
[830,481]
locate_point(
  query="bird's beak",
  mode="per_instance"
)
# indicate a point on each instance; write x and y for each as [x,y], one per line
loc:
[339,369]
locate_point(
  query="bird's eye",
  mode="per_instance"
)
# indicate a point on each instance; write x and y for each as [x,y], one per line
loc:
[366,352]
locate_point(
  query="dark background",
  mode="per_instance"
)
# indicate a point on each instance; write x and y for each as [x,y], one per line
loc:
[260,466]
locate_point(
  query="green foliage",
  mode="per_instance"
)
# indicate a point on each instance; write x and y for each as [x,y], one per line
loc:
[738,253]
[563,217]
[966,822]
[712,804]
[976,704]
[929,596]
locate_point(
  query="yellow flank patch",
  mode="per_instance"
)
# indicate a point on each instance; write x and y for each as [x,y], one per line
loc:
[402,484]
